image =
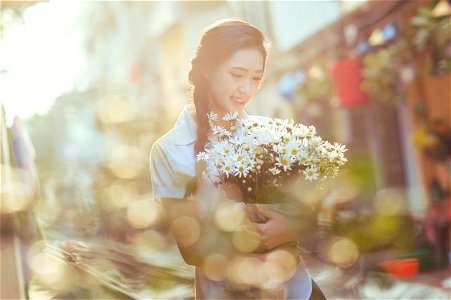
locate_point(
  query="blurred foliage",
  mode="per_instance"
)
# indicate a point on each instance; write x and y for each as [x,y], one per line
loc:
[381,76]
[317,86]
[433,139]
[433,35]
[372,233]
[362,167]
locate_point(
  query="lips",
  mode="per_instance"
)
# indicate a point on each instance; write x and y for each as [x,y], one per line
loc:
[238,100]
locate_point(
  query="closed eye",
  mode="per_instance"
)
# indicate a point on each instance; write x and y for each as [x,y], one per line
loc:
[236,75]
[257,79]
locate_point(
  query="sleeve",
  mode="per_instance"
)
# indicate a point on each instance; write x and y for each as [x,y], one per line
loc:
[165,182]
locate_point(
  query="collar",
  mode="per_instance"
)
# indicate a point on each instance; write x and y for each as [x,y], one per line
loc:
[186,127]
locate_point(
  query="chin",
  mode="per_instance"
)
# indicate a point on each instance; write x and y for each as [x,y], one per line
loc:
[236,107]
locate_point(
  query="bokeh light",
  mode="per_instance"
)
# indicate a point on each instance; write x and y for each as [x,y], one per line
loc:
[150,242]
[50,269]
[390,202]
[114,109]
[280,265]
[118,194]
[126,161]
[340,251]
[16,196]
[229,216]
[143,213]
[186,230]
[243,271]
[215,266]
[245,241]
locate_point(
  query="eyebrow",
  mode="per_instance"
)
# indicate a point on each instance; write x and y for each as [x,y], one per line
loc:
[246,70]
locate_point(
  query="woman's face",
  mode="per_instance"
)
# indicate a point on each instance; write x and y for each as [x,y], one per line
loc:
[233,83]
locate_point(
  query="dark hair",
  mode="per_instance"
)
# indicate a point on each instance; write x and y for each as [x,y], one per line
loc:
[218,43]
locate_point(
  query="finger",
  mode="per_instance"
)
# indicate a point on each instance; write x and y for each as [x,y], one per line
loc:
[264,211]
[252,233]
[259,227]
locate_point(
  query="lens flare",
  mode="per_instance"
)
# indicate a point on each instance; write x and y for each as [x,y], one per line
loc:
[150,242]
[126,161]
[343,252]
[186,230]
[16,196]
[229,216]
[245,241]
[143,213]
[242,271]
[215,266]
[118,195]
[280,265]
[114,109]
[390,202]
[51,270]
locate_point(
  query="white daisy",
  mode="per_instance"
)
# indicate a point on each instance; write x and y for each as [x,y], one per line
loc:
[241,170]
[284,162]
[311,173]
[212,116]
[274,171]
[339,148]
[230,116]
[227,168]
[203,156]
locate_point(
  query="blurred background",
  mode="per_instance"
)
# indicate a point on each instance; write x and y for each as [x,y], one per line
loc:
[87,87]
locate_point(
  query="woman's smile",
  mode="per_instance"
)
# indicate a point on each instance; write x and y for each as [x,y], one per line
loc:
[234,82]
[239,100]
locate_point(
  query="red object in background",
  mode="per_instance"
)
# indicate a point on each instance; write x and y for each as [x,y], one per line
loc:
[348,78]
[134,74]
[401,267]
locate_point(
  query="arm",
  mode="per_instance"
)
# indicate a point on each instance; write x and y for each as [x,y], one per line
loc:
[197,237]
[182,221]
[280,229]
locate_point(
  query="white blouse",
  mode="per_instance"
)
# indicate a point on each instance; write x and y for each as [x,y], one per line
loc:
[172,165]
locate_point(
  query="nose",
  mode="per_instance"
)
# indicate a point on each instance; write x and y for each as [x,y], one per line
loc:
[245,86]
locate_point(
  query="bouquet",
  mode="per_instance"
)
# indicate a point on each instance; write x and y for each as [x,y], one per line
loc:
[259,155]
[255,160]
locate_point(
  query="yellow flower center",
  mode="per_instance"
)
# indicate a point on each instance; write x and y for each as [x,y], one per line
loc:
[240,158]
[284,162]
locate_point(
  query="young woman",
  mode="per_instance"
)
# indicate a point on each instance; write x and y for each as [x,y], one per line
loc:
[226,72]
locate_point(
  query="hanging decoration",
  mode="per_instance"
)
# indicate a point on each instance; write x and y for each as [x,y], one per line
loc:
[317,85]
[376,38]
[433,36]
[348,79]
[389,32]
[382,79]
[363,47]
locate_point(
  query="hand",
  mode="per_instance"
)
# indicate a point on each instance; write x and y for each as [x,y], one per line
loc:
[278,229]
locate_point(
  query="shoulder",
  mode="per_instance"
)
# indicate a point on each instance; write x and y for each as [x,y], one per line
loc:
[166,140]
[163,145]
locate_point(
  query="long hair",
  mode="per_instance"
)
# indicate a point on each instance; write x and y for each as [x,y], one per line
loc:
[218,43]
